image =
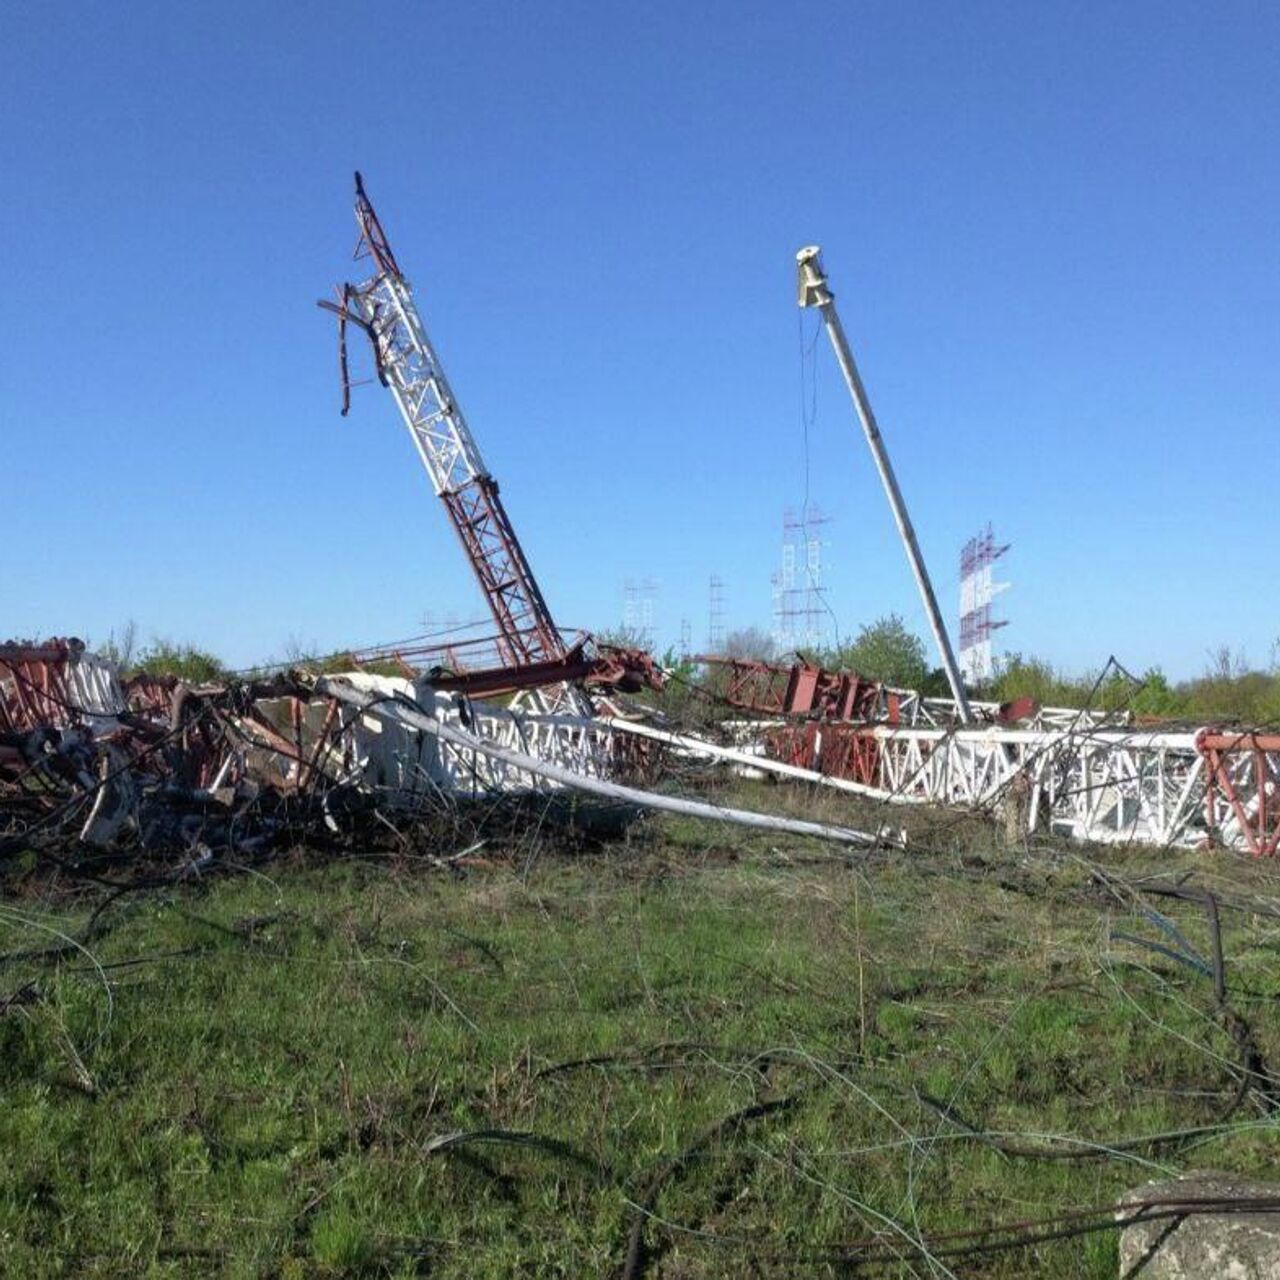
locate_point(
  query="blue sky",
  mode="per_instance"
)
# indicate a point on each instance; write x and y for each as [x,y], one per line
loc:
[1052,230]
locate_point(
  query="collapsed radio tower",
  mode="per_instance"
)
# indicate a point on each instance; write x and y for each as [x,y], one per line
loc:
[977,591]
[384,308]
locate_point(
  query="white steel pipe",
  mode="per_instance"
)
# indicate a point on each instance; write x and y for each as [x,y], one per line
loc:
[713,751]
[394,709]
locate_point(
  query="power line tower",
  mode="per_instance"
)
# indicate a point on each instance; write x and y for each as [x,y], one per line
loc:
[977,591]
[648,614]
[639,611]
[799,610]
[686,638]
[715,614]
[630,609]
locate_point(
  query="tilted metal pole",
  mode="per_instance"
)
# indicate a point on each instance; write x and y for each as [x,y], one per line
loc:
[396,711]
[815,292]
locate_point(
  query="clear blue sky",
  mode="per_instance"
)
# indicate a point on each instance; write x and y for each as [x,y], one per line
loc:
[1054,231]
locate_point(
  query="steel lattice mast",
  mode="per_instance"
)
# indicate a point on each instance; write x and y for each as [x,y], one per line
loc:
[408,366]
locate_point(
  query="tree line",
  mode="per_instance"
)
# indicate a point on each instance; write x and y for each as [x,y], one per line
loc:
[1228,690]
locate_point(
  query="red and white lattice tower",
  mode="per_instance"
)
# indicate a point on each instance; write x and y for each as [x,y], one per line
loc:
[978,589]
[799,610]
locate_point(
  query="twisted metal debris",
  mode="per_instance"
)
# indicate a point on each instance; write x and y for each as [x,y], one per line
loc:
[159,765]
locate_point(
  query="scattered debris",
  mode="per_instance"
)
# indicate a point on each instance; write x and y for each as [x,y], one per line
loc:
[164,766]
[189,769]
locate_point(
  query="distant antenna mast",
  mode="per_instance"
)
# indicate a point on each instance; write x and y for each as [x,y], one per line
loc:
[715,614]
[799,611]
[815,292]
[630,613]
[977,591]
[638,612]
[648,613]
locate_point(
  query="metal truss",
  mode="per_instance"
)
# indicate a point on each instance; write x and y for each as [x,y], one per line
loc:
[56,683]
[64,725]
[408,768]
[803,689]
[1104,784]
[384,308]
[915,710]
[1089,781]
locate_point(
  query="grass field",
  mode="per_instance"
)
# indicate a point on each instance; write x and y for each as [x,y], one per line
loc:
[690,1053]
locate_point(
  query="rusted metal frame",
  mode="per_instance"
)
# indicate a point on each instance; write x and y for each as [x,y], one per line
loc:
[1261,830]
[254,720]
[149,695]
[342,309]
[626,668]
[844,751]
[308,769]
[573,666]
[56,685]
[31,699]
[792,745]
[849,752]
[246,718]
[373,240]
[750,684]
[481,522]
[630,669]
[801,689]
[200,746]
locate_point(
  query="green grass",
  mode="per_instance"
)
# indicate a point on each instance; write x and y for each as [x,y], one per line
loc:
[262,1083]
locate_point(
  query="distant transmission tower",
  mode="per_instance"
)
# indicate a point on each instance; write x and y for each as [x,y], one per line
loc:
[977,590]
[715,615]
[799,610]
[686,637]
[648,608]
[630,610]
[638,611]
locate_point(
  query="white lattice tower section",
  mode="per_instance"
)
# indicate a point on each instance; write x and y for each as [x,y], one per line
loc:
[978,589]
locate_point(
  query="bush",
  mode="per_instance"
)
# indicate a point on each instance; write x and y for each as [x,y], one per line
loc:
[885,650]
[185,661]
[1029,677]
[1227,692]
[750,642]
